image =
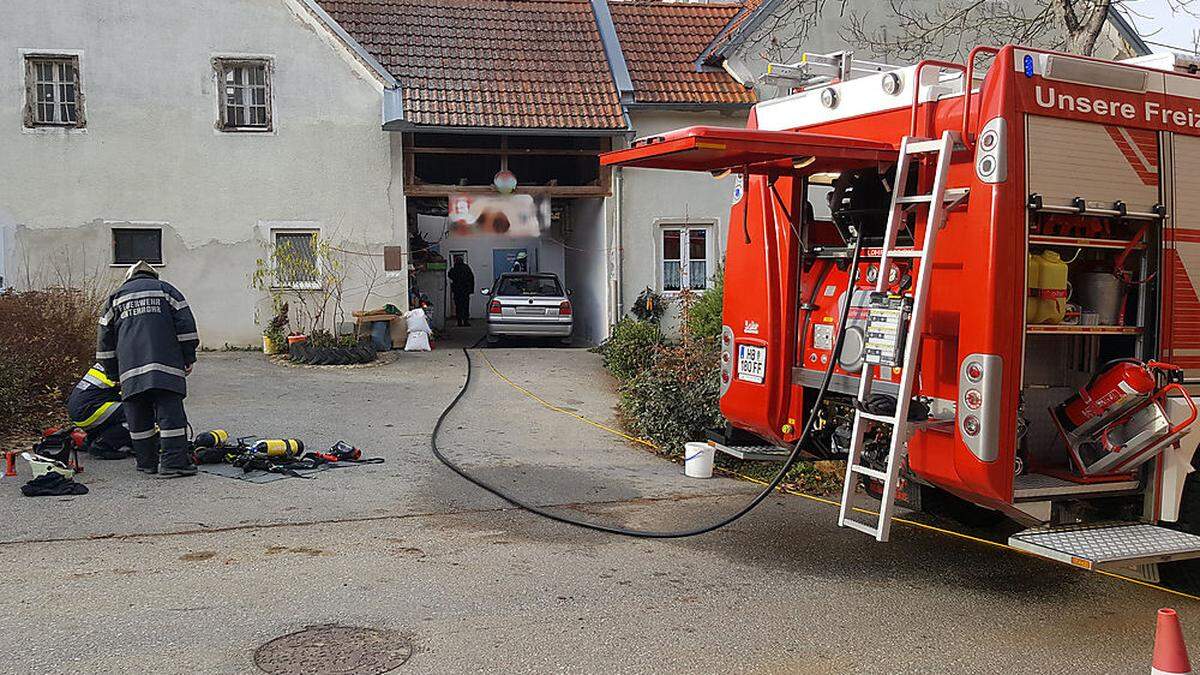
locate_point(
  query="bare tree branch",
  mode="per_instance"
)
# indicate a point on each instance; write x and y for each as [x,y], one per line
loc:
[910,30]
[787,29]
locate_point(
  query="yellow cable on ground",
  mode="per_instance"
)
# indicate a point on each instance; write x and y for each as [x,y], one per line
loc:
[557,409]
[822,500]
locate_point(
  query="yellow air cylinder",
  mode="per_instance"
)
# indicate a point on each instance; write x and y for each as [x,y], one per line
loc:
[280,447]
[1052,288]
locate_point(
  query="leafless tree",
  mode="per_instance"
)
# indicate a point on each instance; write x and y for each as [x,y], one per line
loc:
[785,30]
[909,30]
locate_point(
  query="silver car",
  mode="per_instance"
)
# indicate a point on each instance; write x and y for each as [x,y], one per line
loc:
[528,305]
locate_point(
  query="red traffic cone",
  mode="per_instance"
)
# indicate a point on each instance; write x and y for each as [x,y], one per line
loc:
[1170,653]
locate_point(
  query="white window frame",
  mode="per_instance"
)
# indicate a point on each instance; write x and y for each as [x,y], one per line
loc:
[311,231]
[29,79]
[134,225]
[222,64]
[684,227]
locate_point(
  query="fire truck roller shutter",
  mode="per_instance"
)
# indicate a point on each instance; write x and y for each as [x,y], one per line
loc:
[1101,163]
[1181,262]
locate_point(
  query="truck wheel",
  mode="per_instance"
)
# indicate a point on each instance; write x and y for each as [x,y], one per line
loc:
[1184,575]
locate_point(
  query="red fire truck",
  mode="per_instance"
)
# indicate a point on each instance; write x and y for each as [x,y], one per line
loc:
[978,287]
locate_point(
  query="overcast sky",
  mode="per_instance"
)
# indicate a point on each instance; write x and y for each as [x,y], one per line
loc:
[1160,26]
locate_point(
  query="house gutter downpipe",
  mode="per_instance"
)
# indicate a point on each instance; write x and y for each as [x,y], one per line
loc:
[612,50]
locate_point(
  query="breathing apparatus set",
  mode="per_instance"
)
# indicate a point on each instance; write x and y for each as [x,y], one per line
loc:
[275,455]
[791,460]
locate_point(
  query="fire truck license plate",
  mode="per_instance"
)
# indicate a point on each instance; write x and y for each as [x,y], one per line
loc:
[752,363]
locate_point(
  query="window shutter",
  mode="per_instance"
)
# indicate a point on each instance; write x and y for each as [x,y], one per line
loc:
[393,259]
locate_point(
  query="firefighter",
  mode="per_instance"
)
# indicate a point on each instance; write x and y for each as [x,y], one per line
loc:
[95,406]
[148,336]
[462,284]
[521,264]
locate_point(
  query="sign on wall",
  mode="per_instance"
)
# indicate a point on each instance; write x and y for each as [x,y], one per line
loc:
[508,215]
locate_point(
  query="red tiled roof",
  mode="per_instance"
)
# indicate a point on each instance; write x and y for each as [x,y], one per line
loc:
[731,31]
[661,42]
[528,64]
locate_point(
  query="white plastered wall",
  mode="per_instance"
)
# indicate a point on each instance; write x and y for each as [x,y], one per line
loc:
[586,266]
[151,151]
[651,197]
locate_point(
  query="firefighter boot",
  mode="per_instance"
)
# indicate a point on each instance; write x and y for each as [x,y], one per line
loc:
[175,460]
[146,453]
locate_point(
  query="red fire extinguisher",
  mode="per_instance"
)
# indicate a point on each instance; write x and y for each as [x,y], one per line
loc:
[1114,388]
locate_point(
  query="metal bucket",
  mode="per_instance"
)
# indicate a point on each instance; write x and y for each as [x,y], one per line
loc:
[1103,293]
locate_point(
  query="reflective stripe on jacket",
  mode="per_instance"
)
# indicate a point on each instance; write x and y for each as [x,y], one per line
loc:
[94,400]
[147,336]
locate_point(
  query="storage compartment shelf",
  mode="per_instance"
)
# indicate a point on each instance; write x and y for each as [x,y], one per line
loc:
[1080,242]
[1082,330]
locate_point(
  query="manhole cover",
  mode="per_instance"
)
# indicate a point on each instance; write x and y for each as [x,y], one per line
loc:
[333,650]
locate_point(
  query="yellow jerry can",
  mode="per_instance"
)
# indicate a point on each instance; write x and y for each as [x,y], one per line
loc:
[1053,288]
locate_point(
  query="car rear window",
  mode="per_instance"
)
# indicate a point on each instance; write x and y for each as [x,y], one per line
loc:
[529,286]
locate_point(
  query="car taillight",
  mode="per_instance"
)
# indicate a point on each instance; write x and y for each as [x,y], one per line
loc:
[564,309]
[494,308]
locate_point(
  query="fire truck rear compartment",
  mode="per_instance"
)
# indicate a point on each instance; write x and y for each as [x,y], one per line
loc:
[1094,229]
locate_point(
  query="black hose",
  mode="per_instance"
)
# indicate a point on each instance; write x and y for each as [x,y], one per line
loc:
[746,205]
[651,534]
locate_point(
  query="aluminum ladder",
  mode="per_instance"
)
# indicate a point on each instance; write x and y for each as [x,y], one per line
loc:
[939,201]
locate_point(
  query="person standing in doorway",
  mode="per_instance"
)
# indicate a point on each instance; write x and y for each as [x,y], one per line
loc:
[148,338]
[521,264]
[462,285]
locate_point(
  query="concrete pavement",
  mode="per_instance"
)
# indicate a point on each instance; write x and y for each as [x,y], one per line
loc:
[192,575]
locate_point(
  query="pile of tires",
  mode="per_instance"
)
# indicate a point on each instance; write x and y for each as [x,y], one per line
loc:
[302,352]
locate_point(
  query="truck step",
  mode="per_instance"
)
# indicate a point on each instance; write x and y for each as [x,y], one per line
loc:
[755,453]
[1031,487]
[1102,545]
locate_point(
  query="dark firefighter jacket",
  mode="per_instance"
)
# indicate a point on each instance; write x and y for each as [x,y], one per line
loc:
[147,336]
[94,400]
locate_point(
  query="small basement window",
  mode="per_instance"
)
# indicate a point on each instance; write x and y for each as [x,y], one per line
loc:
[53,97]
[244,94]
[133,244]
[296,259]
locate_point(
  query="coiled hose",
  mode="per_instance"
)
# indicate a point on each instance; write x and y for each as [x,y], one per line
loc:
[654,534]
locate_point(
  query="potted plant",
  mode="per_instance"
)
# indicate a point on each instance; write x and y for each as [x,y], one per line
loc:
[275,335]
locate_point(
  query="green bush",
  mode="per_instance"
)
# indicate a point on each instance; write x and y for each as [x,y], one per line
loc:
[47,342]
[675,399]
[704,314]
[323,339]
[630,348]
